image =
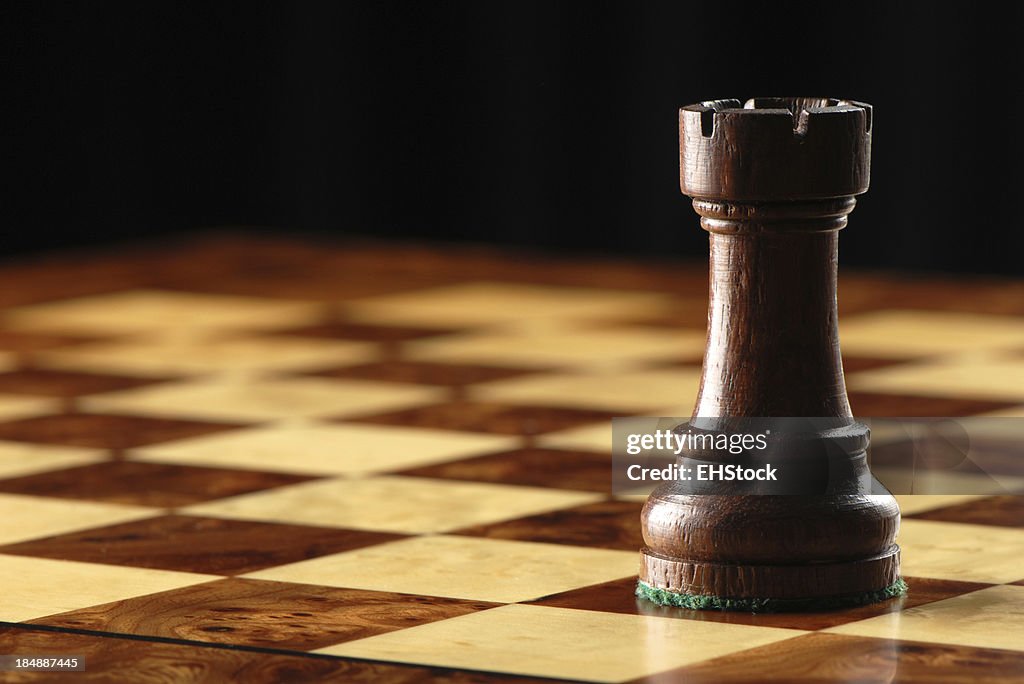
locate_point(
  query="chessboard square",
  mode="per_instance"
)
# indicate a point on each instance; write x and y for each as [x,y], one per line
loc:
[195,544]
[940,549]
[21,342]
[604,525]
[824,657]
[17,406]
[263,400]
[36,587]
[104,431]
[918,503]
[135,311]
[942,481]
[624,391]
[913,333]
[145,484]
[563,348]
[29,517]
[66,384]
[559,642]
[364,332]
[325,449]
[910,405]
[989,618]
[990,378]
[425,372]
[18,459]
[591,437]
[462,567]
[408,505]
[488,303]
[564,469]
[1007,511]
[490,417]
[155,357]
[264,614]
[109,656]
[619,596]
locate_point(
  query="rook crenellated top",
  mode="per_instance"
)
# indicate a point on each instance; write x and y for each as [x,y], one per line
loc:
[775,148]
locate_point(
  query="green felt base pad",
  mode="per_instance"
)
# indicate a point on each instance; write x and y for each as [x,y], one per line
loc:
[767,605]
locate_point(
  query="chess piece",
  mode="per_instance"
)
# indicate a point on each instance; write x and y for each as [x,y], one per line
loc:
[773,182]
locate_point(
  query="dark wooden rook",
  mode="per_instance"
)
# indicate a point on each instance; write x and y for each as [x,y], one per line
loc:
[773,181]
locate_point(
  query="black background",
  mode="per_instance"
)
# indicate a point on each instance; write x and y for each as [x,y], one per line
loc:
[547,124]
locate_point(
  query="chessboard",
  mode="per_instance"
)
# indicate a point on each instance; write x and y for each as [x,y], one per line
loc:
[287,460]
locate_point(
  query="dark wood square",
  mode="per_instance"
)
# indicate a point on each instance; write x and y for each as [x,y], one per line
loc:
[535,466]
[1005,511]
[505,419]
[878,405]
[67,384]
[367,332]
[194,544]
[265,614]
[424,373]
[109,657]
[23,341]
[617,597]
[605,525]
[105,430]
[146,484]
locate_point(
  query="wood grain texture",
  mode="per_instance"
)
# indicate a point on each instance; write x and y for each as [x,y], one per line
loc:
[1005,511]
[264,614]
[618,597]
[605,525]
[830,657]
[534,466]
[194,544]
[146,484]
[216,628]
[114,659]
[502,419]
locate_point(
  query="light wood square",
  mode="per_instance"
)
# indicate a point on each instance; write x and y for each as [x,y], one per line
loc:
[588,438]
[137,311]
[174,355]
[36,587]
[970,553]
[409,505]
[989,618]
[635,391]
[943,482]
[972,376]
[902,334]
[919,503]
[491,303]
[17,458]
[462,567]
[560,347]
[600,437]
[325,449]
[29,517]
[263,400]
[561,642]
[15,406]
